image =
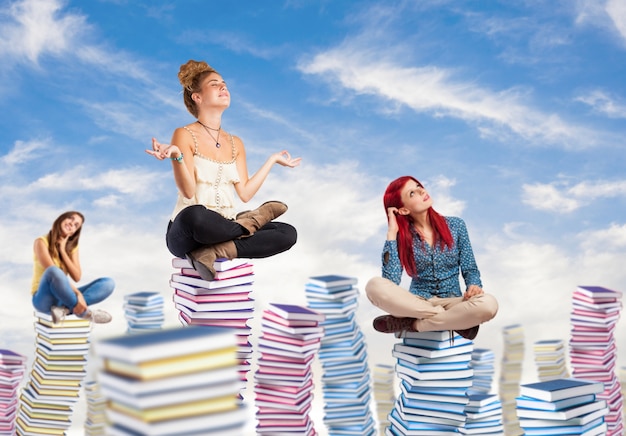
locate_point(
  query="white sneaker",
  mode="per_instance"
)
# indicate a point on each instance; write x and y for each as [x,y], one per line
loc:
[58,313]
[98,316]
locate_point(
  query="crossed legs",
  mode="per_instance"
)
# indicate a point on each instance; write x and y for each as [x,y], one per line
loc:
[433,314]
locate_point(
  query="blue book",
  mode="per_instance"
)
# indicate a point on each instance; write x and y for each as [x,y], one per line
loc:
[559,389]
[560,430]
[579,420]
[565,414]
[292,311]
[331,281]
[531,403]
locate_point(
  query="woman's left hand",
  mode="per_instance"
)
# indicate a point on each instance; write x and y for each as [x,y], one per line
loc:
[473,290]
[284,158]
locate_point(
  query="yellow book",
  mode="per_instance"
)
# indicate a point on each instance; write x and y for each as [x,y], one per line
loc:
[161,368]
[66,323]
[51,406]
[32,414]
[54,382]
[58,341]
[176,411]
[55,392]
[63,357]
[45,431]
[62,368]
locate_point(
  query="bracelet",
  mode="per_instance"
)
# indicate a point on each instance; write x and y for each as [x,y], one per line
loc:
[178,159]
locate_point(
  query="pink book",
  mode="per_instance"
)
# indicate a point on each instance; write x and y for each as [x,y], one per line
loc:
[267,314]
[288,340]
[280,358]
[282,371]
[287,389]
[270,411]
[282,422]
[242,270]
[276,399]
[214,298]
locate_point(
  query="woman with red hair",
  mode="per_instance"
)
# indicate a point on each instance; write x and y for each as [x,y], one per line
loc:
[432,249]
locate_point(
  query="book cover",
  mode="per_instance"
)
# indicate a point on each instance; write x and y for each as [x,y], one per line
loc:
[295,312]
[553,390]
[211,284]
[331,281]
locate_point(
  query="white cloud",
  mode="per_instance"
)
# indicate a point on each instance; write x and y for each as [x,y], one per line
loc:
[138,181]
[616,10]
[36,28]
[368,70]
[23,151]
[603,103]
[561,198]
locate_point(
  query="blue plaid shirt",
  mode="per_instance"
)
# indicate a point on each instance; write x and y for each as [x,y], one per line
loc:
[437,270]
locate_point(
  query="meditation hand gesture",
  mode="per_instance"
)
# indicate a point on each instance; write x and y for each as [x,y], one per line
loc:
[163,151]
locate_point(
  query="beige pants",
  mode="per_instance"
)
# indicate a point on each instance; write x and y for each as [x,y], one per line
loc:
[433,314]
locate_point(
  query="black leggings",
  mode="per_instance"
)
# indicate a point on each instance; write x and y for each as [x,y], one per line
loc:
[196,226]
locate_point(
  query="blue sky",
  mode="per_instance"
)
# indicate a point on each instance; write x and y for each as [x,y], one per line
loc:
[513,114]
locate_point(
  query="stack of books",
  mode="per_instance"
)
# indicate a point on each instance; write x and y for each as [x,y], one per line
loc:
[346,381]
[222,302]
[593,352]
[143,311]
[55,380]
[171,382]
[12,367]
[483,415]
[550,359]
[562,406]
[622,378]
[435,374]
[511,375]
[290,338]
[95,424]
[483,364]
[384,395]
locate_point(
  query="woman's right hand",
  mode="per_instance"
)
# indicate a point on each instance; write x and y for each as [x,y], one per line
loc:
[163,151]
[392,222]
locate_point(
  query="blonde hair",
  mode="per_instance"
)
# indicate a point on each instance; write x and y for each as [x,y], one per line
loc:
[191,75]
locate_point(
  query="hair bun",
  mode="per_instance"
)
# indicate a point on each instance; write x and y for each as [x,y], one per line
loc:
[190,70]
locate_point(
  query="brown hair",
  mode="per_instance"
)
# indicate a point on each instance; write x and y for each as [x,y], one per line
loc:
[191,75]
[55,231]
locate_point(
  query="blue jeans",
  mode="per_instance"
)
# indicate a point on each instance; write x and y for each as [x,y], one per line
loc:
[55,290]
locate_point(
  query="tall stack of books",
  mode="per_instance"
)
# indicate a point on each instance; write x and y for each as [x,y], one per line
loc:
[290,338]
[593,353]
[550,359]
[483,364]
[222,302]
[562,406]
[172,382]
[346,381]
[511,375]
[434,369]
[12,367]
[55,380]
[622,378]
[483,416]
[143,311]
[95,424]
[384,395]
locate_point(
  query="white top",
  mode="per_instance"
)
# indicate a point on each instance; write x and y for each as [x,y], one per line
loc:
[214,180]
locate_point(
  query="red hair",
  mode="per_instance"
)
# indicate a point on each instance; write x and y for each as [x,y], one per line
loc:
[441,231]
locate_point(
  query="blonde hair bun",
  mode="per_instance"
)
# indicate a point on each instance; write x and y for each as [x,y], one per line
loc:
[190,70]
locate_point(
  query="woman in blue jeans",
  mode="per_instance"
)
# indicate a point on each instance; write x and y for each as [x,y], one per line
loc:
[56,258]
